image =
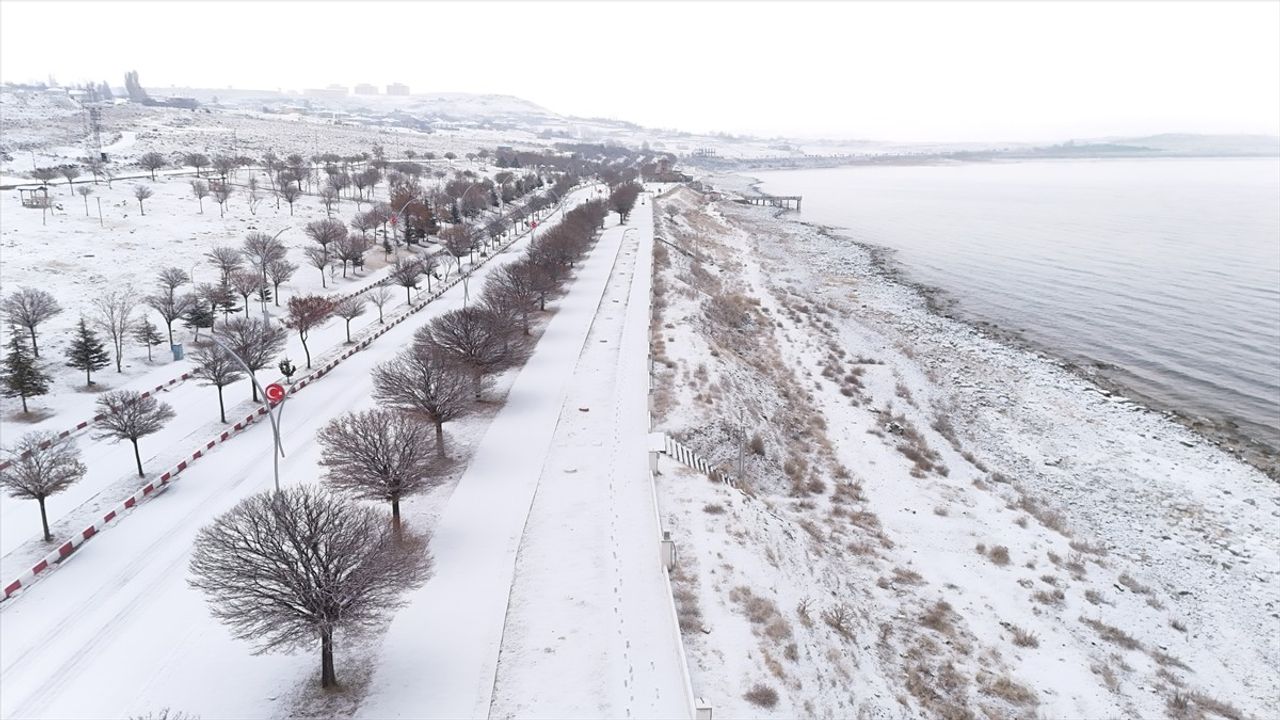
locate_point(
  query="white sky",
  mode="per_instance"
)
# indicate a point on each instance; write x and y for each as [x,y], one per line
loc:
[906,71]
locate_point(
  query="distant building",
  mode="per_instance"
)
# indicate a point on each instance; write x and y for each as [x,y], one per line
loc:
[366,89]
[397,89]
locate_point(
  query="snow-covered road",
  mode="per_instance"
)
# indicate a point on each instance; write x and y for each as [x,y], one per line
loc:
[116,630]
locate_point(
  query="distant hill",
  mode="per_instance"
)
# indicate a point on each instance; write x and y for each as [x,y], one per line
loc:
[1191,144]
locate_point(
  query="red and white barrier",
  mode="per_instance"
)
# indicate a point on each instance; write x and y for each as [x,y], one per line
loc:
[82,425]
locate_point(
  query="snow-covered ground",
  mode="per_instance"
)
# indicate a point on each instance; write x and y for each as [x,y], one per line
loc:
[116,631]
[932,522]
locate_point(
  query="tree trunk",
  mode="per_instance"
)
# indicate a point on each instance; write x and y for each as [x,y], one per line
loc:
[24,404]
[137,456]
[35,349]
[86,206]
[380,315]
[201,205]
[328,678]
[395,520]
[253,386]
[168,324]
[222,409]
[348,332]
[87,380]
[322,278]
[305,349]
[44,520]
[440,438]
[276,297]
[141,209]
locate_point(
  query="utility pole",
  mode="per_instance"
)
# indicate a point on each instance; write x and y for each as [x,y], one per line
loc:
[99,212]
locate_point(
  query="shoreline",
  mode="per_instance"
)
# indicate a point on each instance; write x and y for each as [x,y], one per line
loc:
[1240,445]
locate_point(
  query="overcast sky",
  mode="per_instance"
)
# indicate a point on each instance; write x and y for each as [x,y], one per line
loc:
[906,71]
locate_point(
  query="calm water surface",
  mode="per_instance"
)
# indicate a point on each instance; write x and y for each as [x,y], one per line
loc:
[1168,270]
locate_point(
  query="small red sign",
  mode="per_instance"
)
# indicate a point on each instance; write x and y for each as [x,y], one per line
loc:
[274,392]
[533,224]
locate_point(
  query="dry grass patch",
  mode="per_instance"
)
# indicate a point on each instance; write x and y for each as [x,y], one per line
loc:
[1005,688]
[1023,638]
[1112,634]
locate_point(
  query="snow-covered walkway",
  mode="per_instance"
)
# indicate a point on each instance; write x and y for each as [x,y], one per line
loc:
[590,612]
[526,560]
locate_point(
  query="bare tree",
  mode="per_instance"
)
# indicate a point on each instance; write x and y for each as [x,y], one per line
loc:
[200,189]
[85,191]
[152,161]
[405,273]
[114,316]
[326,232]
[476,338]
[172,278]
[285,570]
[199,161]
[290,192]
[254,341]
[380,296]
[329,197]
[168,303]
[279,272]
[306,313]
[422,380]
[27,308]
[142,192]
[219,369]
[39,465]
[319,259]
[246,283]
[511,289]
[227,259]
[378,455]
[129,415]
[222,193]
[349,309]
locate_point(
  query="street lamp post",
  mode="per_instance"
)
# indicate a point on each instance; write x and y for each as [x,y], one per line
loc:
[274,413]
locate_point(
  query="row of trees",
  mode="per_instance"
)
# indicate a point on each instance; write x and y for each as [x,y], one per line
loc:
[288,570]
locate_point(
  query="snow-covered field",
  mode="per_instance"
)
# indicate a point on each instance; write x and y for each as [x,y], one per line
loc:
[932,522]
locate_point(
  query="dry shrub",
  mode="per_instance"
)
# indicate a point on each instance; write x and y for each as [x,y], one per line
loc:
[1165,659]
[941,511]
[1112,634]
[1095,598]
[1134,585]
[938,617]
[713,509]
[838,617]
[1087,548]
[1108,676]
[1054,597]
[999,555]
[762,695]
[1024,638]
[756,445]
[902,576]
[1177,624]
[1051,519]
[1005,688]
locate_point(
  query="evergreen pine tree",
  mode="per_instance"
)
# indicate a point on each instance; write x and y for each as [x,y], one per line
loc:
[199,316]
[86,352]
[146,333]
[20,375]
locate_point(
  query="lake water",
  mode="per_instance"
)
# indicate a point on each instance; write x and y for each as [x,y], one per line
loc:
[1167,269]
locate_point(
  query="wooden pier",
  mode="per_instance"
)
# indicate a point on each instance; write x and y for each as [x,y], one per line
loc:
[782,201]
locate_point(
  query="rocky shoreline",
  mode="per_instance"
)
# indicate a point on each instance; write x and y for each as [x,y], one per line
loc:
[1223,434]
